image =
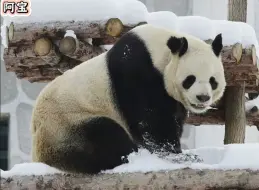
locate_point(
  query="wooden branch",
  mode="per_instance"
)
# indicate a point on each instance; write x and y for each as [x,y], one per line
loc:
[216,116]
[185,178]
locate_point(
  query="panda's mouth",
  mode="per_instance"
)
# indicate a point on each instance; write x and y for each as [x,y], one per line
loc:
[198,106]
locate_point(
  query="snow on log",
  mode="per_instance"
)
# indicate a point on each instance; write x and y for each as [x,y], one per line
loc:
[174,179]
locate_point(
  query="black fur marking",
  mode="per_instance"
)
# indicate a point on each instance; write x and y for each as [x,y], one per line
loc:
[213,83]
[217,45]
[178,45]
[188,82]
[140,95]
[98,144]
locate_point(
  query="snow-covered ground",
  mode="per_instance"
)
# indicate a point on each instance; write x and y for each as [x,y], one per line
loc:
[234,156]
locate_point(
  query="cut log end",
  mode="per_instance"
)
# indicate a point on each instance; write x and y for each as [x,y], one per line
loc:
[237,50]
[114,27]
[67,45]
[7,37]
[42,46]
[11,31]
[254,57]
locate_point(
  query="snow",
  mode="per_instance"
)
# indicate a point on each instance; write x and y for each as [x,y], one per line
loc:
[29,169]
[133,12]
[129,11]
[165,19]
[228,157]
[233,156]
[197,26]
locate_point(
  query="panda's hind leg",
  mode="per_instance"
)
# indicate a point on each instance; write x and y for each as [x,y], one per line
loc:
[95,145]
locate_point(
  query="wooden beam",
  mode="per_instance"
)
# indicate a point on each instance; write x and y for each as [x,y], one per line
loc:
[22,56]
[217,117]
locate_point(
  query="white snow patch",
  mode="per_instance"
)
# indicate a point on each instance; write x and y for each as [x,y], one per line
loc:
[205,28]
[231,31]
[29,169]
[106,47]
[233,156]
[242,157]
[70,33]
[165,19]
[197,26]
[129,11]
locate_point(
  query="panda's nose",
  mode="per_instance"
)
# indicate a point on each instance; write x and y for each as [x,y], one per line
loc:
[203,98]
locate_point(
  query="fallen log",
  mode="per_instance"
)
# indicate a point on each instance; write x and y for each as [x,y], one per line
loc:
[174,179]
[30,31]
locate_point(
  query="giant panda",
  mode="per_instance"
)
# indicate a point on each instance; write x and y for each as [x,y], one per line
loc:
[135,95]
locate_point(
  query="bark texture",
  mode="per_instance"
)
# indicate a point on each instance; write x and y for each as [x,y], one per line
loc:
[235,117]
[175,179]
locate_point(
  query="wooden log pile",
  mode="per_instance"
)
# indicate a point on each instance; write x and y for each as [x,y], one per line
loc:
[39,52]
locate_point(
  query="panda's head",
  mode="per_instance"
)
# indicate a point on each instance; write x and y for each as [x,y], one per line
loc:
[195,74]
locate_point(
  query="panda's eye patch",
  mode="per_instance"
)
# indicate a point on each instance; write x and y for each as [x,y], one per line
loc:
[213,83]
[188,81]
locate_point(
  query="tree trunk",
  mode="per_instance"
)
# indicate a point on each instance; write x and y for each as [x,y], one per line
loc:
[235,116]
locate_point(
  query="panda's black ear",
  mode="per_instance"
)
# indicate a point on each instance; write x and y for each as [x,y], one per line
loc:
[178,45]
[217,44]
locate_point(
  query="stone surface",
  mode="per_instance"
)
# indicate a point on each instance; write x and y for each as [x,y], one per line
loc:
[175,179]
[32,90]
[23,113]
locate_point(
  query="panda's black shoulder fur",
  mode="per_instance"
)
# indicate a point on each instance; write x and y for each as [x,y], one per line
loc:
[139,92]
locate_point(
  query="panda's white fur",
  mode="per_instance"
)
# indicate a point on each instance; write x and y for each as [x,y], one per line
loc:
[86,98]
